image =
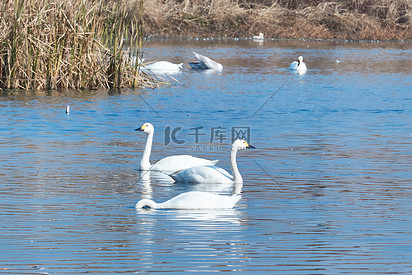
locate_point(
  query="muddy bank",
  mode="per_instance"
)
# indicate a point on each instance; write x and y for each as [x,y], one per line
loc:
[289,19]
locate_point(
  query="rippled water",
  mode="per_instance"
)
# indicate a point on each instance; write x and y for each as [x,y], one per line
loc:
[327,191]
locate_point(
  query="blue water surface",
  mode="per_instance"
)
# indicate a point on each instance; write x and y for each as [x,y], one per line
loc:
[327,191]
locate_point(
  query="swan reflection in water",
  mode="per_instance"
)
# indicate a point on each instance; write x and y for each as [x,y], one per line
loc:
[215,231]
[147,177]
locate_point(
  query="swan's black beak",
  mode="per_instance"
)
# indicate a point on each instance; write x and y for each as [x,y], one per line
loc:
[250,146]
[139,129]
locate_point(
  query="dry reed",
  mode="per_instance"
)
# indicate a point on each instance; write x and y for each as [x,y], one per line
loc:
[78,44]
[317,19]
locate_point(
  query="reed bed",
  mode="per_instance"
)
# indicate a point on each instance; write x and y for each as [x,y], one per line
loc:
[65,45]
[313,19]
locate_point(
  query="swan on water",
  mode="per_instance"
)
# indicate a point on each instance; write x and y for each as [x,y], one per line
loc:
[214,174]
[259,37]
[170,164]
[193,200]
[164,67]
[205,200]
[205,63]
[298,66]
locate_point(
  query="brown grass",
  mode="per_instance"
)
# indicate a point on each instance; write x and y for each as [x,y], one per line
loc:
[63,45]
[315,19]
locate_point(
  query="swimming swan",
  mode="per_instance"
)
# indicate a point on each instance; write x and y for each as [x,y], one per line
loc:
[205,63]
[298,66]
[170,164]
[259,37]
[213,174]
[193,200]
[164,67]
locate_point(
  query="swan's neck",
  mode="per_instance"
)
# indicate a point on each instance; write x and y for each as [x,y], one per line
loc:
[237,178]
[144,162]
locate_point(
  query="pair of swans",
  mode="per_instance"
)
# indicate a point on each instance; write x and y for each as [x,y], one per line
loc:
[166,67]
[207,173]
[299,66]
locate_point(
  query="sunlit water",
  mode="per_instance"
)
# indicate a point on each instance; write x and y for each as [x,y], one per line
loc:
[327,191]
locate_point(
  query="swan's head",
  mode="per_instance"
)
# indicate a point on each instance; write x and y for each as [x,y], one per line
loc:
[300,59]
[241,144]
[145,204]
[147,128]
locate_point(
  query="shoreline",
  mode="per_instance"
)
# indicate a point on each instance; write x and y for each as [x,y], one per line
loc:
[336,40]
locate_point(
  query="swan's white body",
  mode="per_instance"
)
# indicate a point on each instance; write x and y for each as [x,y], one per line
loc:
[203,174]
[298,66]
[205,63]
[261,37]
[213,174]
[170,164]
[193,200]
[164,67]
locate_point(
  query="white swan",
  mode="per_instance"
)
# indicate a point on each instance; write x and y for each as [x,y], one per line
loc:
[170,164]
[298,66]
[205,63]
[193,200]
[164,67]
[259,37]
[205,200]
[213,174]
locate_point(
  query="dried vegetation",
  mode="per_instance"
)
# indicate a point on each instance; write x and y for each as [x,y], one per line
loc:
[64,45]
[314,19]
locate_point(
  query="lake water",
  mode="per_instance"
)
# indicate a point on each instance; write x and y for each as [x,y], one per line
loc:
[326,191]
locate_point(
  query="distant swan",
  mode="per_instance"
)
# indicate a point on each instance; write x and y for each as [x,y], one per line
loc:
[164,67]
[205,63]
[170,164]
[260,37]
[213,174]
[193,200]
[298,66]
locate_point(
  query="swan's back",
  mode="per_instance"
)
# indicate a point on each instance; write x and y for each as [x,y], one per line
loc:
[200,200]
[173,164]
[203,174]
[293,66]
[164,67]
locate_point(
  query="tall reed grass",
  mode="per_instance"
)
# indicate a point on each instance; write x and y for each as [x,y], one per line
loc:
[78,44]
